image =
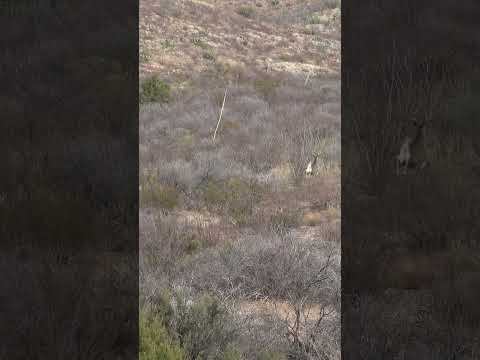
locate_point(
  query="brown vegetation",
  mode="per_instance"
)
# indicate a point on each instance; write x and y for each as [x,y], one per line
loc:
[222,216]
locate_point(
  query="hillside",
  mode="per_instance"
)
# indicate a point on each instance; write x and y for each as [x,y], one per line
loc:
[181,38]
[235,237]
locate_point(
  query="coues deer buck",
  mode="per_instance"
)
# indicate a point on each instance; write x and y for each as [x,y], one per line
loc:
[412,154]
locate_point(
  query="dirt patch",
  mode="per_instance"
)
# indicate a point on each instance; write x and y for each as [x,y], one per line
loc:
[313,218]
[281,309]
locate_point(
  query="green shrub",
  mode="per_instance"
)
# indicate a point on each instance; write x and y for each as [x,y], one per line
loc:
[167,44]
[206,313]
[315,19]
[155,343]
[155,194]
[246,11]
[153,89]
[197,41]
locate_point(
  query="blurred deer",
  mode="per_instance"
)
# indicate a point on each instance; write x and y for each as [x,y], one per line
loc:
[412,154]
[311,165]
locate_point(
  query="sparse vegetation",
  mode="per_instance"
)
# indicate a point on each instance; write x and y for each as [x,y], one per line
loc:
[144,55]
[283,221]
[155,342]
[234,187]
[315,19]
[207,55]
[153,89]
[224,241]
[156,194]
[266,87]
[198,41]
[246,11]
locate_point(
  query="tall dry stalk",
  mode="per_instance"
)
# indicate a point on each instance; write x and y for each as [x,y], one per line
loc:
[220,117]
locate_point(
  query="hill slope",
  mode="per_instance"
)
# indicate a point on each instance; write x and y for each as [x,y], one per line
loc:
[193,36]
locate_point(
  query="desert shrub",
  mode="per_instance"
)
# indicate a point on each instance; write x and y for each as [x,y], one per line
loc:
[197,169]
[284,268]
[214,193]
[155,194]
[328,150]
[153,89]
[187,140]
[202,326]
[197,41]
[333,4]
[198,325]
[266,87]
[167,44]
[232,353]
[180,174]
[235,195]
[155,343]
[207,55]
[271,265]
[283,220]
[271,355]
[246,11]
[315,19]
[144,55]
[163,241]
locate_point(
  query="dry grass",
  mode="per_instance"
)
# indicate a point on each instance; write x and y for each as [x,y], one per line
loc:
[174,36]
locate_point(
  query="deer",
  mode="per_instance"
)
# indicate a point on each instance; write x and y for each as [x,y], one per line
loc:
[311,165]
[403,157]
[412,153]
